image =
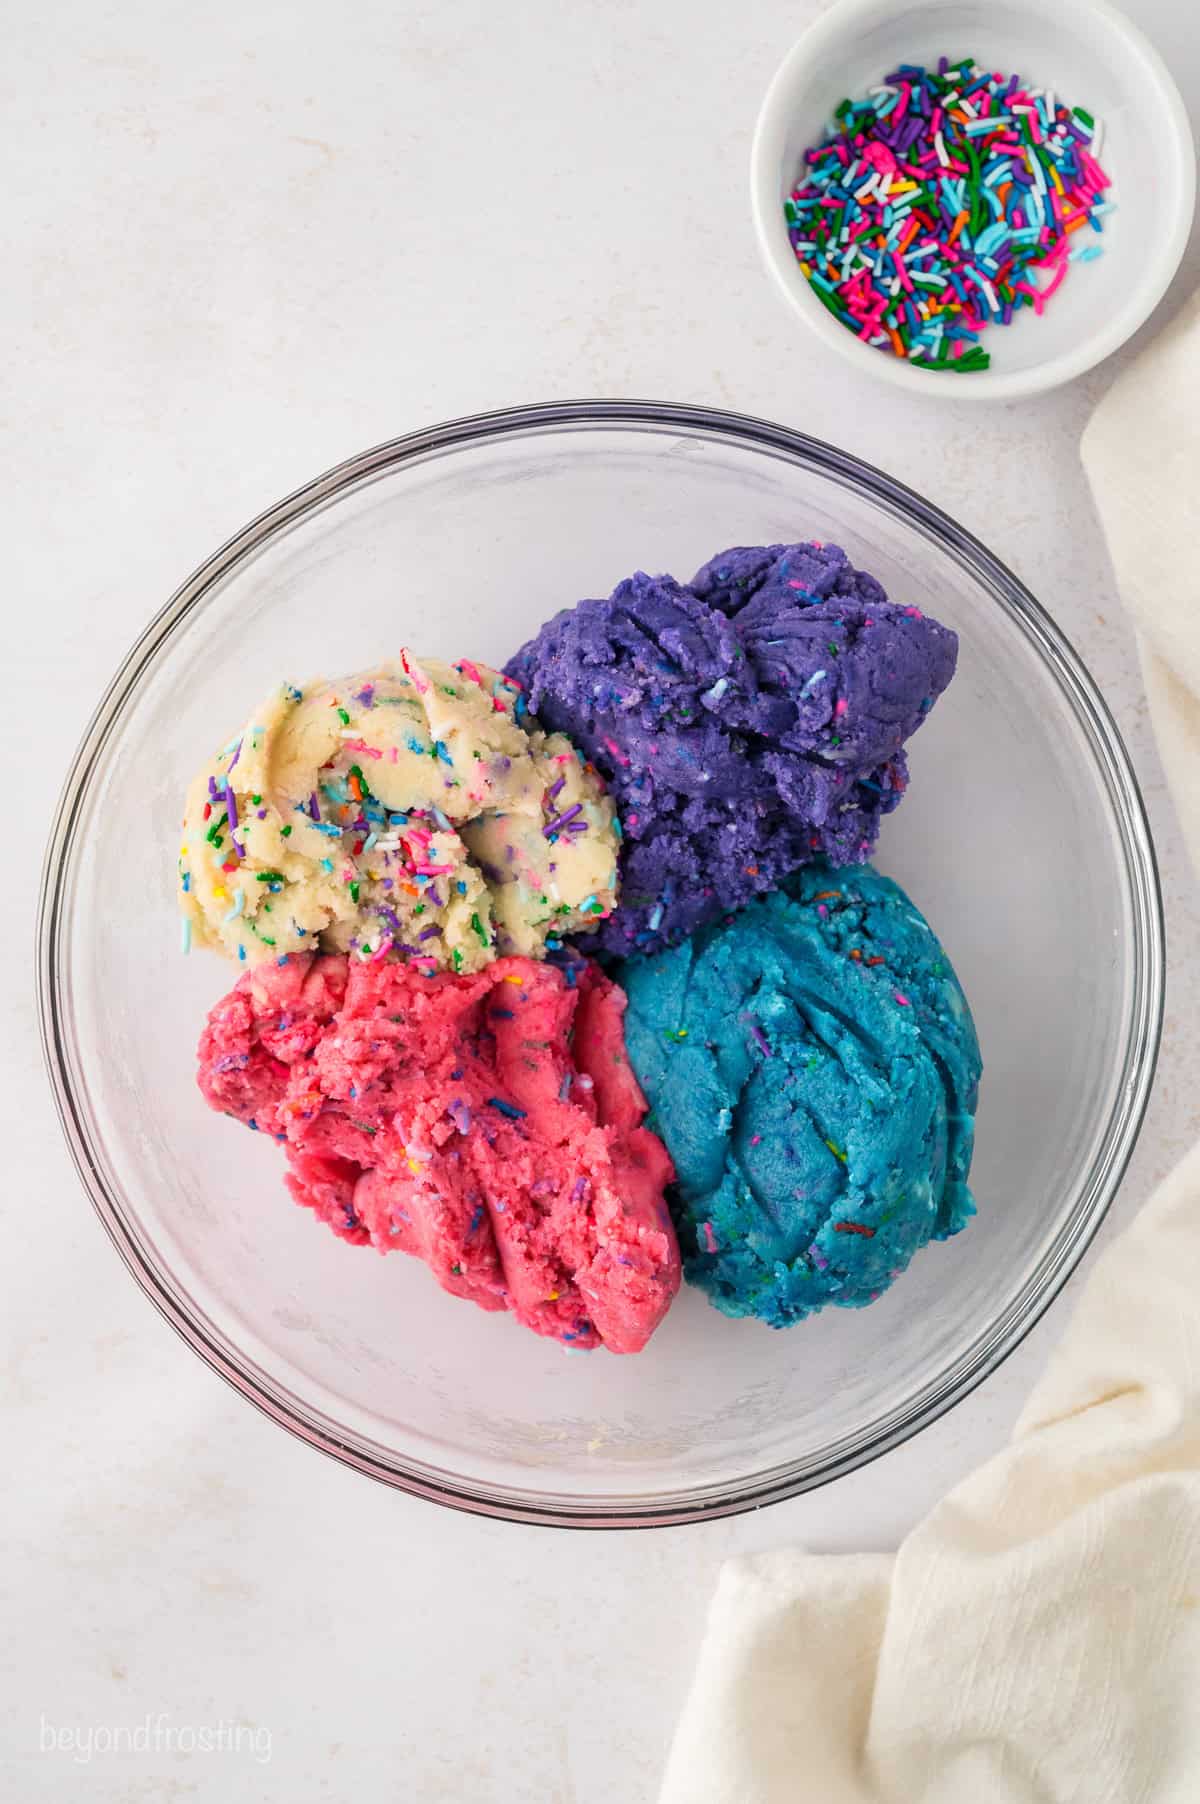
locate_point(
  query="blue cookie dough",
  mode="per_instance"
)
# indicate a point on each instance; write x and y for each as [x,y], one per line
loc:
[812,1065]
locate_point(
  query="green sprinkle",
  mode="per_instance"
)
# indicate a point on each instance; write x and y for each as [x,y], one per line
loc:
[457,955]
[343,717]
[836,1151]
[269,877]
[477,926]
[354,892]
[284,831]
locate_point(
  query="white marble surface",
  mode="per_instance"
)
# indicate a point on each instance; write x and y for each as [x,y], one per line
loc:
[244,241]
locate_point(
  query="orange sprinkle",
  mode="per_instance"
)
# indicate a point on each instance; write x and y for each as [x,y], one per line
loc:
[957,227]
[826,895]
[897,342]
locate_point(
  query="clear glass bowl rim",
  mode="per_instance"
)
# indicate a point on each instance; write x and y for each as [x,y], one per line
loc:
[1144,1027]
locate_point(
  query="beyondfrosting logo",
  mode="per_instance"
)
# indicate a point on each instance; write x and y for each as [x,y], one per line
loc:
[155,1734]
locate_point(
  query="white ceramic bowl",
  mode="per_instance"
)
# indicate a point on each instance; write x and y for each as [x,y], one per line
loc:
[1092,56]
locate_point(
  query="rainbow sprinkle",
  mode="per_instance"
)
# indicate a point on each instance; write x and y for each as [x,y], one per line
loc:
[943,203]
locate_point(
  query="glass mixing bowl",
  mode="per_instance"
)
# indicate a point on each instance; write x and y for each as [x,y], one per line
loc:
[1022,837]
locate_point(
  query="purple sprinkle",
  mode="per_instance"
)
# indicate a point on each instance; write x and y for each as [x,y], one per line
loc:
[231,805]
[428,933]
[314,807]
[561,820]
[580,1190]
[236,755]
[460,1115]
[761,1041]
[233,1061]
[554,789]
[506,1108]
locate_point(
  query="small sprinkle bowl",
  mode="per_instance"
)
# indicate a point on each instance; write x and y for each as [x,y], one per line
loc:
[1087,53]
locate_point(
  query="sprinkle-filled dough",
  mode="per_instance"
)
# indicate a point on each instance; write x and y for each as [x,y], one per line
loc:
[812,1066]
[416,809]
[747,723]
[490,1125]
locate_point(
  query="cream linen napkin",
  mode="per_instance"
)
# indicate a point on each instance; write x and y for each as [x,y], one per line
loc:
[1036,1640]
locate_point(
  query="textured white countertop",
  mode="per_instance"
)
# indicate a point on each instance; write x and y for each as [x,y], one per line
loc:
[245,241]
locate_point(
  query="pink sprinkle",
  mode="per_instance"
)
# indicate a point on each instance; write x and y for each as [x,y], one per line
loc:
[840,705]
[710,1239]
[616,751]
[755,1139]
[360,745]
[470,670]
[394,754]
[901,999]
[914,613]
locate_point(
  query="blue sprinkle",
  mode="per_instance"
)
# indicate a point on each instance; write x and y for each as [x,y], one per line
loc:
[818,676]
[241,952]
[506,1108]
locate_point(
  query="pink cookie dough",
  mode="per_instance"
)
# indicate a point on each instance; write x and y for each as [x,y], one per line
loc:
[489,1123]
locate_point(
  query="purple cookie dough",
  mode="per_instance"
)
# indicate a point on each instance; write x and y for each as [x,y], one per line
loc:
[746,722]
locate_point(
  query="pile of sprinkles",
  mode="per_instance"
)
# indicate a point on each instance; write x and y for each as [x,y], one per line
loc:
[945,202]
